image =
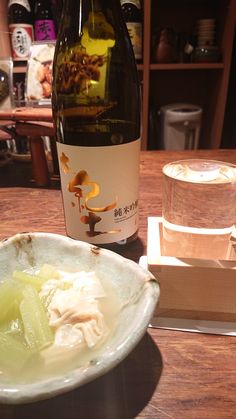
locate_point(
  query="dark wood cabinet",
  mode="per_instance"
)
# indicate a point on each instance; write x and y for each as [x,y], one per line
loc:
[201,83]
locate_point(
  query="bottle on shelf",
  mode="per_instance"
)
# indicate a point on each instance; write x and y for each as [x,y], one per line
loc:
[20,22]
[96,110]
[132,12]
[44,26]
[165,47]
[56,6]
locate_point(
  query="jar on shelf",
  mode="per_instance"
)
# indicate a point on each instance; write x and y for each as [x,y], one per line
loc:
[207,54]
[164,50]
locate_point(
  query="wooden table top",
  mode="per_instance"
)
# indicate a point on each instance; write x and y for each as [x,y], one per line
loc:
[170,374]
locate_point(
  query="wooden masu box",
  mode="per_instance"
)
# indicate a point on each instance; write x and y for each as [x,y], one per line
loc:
[192,288]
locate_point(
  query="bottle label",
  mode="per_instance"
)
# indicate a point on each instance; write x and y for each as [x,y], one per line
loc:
[100,191]
[24,3]
[136,3]
[44,30]
[21,40]
[135,33]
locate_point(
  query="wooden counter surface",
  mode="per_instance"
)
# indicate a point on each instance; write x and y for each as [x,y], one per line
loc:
[170,374]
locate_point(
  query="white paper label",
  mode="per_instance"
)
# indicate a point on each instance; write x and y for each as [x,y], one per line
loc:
[21,39]
[100,191]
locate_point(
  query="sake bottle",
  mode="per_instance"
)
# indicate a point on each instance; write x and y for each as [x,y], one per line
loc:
[20,22]
[44,27]
[96,111]
[132,12]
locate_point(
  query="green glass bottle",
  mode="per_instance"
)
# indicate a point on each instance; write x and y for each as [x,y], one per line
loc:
[96,111]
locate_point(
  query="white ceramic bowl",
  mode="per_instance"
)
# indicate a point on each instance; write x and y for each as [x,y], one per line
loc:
[137,290]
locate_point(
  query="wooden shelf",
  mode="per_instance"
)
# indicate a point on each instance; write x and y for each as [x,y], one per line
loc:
[205,84]
[19,70]
[187,66]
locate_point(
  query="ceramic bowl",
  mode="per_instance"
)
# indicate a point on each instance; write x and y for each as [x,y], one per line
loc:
[136,288]
[205,53]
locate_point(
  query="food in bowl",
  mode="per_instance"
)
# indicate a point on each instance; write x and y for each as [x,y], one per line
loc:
[57,345]
[54,320]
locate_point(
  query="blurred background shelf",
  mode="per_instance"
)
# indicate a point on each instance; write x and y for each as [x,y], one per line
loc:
[209,85]
[206,84]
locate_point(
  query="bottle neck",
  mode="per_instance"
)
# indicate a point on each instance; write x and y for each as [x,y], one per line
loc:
[96,5]
[42,4]
[76,13]
[43,8]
